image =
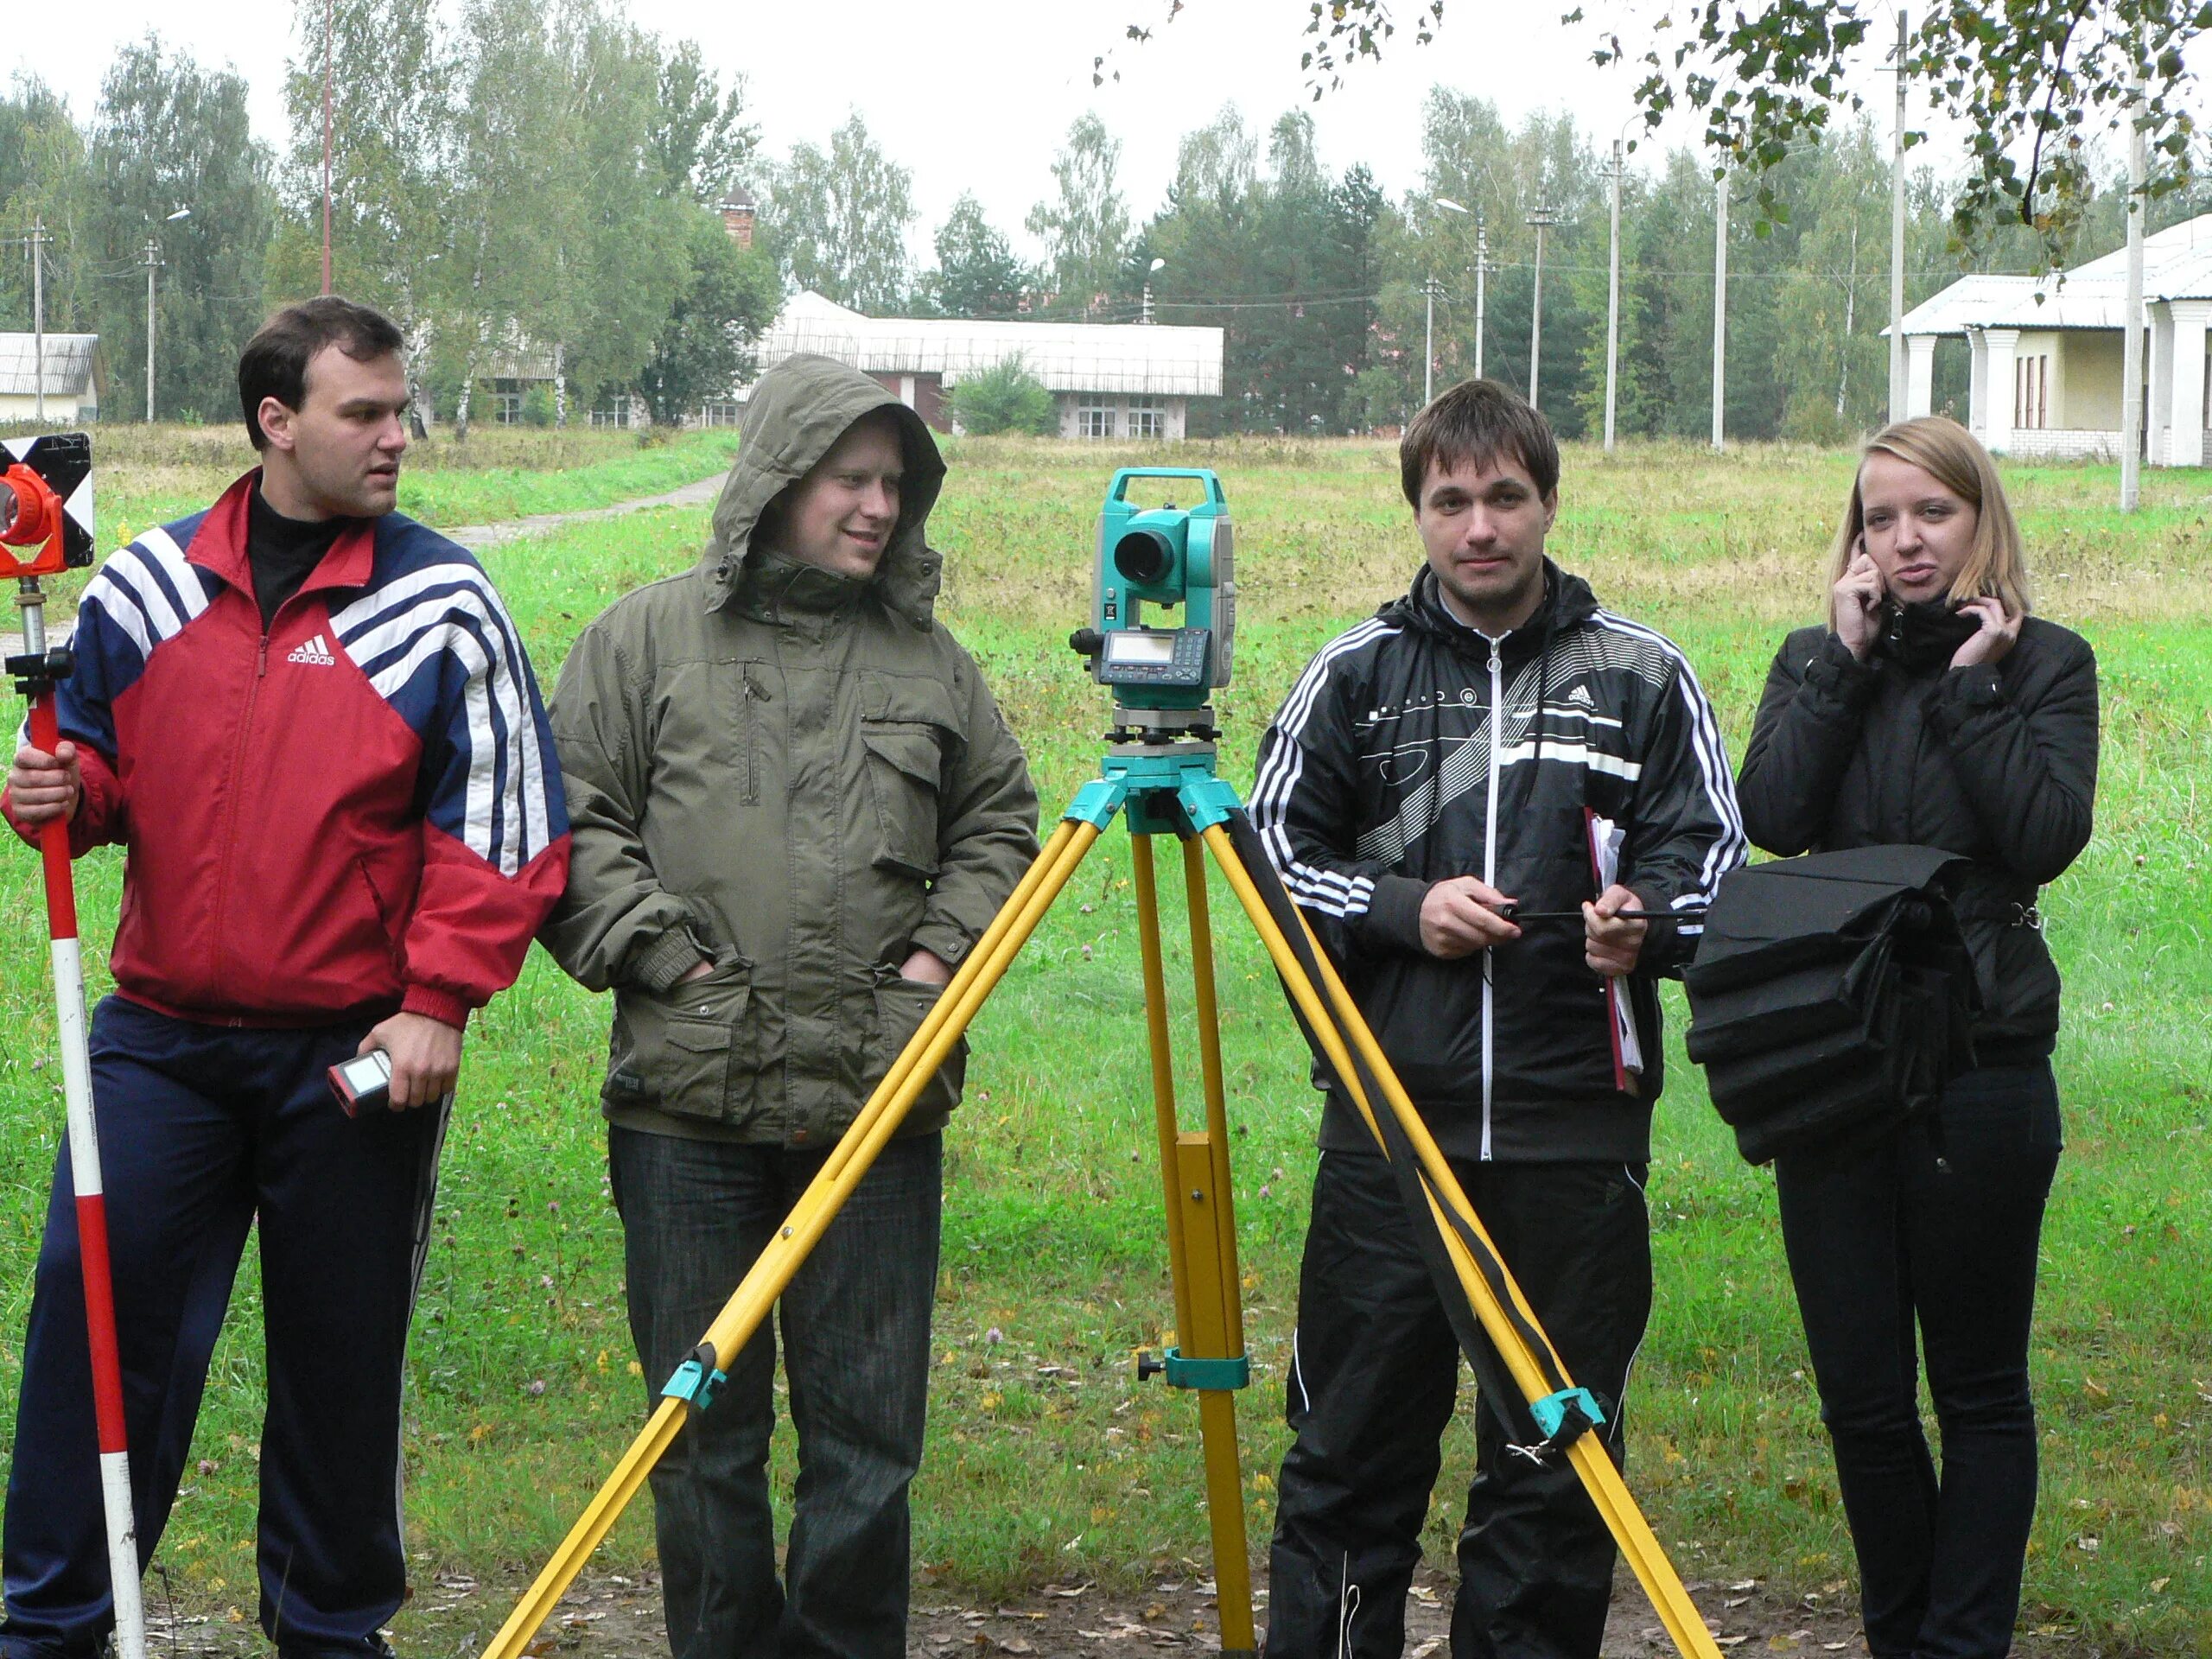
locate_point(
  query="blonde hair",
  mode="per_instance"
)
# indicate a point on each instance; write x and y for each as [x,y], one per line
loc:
[1997,565]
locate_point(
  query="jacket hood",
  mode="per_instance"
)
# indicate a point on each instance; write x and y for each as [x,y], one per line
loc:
[1568,600]
[797,413]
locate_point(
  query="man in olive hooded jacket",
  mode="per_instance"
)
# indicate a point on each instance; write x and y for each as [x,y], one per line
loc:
[795,808]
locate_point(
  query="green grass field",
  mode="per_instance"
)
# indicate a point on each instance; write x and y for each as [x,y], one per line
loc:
[149,475]
[1047,1461]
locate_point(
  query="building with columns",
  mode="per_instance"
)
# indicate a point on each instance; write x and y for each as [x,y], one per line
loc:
[2046,380]
[1117,380]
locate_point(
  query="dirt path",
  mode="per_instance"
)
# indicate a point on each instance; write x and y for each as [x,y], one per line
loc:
[608,1617]
[477,538]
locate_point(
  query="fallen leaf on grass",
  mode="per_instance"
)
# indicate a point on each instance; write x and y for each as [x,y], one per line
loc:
[1068,1591]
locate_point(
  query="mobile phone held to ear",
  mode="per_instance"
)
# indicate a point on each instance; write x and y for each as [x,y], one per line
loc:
[363,1083]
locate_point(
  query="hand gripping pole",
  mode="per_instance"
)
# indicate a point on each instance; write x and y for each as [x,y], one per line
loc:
[1338,1029]
[35,672]
[879,1119]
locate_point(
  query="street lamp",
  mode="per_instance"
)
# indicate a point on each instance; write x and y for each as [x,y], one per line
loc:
[1613,285]
[1430,288]
[1482,270]
[153,264]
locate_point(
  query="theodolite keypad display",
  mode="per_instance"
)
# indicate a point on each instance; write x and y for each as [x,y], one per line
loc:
[1155,657]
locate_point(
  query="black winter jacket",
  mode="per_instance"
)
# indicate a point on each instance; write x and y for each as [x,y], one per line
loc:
[1998,764]
[1379,779]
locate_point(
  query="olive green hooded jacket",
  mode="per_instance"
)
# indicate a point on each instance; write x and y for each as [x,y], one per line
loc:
[798,776]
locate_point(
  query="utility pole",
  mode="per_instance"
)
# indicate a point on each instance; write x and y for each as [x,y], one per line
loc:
[1543,218]
[1719,308]
[1428,345]
[39,239]
[153,264]
[1897,394]
[327,6]
[2131,373]
[1613,300]
[1482,274]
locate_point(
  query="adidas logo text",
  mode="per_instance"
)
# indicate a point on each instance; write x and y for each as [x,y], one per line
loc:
[315,651]
[1580,697]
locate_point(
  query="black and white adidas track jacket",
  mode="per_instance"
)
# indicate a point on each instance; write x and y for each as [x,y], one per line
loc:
[1391,767]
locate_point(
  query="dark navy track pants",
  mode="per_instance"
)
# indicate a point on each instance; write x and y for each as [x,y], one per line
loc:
[202,1129]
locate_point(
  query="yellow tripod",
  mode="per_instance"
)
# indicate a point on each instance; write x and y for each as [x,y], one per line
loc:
[1170,787]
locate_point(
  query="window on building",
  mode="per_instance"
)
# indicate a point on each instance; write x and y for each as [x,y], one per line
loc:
[507,402]
[1094,420]
[616,413]
[1147,418]
[721,411]
[2031,391]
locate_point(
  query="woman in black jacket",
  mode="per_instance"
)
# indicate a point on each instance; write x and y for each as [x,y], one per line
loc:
[1933,709]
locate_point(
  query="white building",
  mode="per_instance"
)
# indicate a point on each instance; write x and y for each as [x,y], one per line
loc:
[72,395]
[1109,380]
[2046,377]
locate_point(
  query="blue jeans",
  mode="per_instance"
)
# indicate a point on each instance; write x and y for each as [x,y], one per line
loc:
[1890,1242]
[857,1352]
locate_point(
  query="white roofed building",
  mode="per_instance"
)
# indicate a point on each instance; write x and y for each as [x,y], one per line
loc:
[72,392]
[1109,380]
[2046,376]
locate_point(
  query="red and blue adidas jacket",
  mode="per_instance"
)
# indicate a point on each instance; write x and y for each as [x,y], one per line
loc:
[356,810]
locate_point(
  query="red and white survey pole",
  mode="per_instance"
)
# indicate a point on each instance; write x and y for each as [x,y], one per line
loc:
[30,517]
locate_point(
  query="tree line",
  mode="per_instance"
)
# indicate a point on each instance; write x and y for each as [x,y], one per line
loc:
[532,187]
[1317,279]
[527,187]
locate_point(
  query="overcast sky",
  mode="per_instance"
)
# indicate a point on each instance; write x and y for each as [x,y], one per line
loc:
[977,94]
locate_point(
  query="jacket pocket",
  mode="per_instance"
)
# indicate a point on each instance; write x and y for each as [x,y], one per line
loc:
[383,912]
[690,1051]
[905,760]
[901,1005]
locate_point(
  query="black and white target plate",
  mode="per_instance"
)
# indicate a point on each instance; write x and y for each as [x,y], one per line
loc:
[64,460]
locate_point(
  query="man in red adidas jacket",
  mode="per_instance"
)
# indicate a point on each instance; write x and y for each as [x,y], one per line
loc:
[310,722]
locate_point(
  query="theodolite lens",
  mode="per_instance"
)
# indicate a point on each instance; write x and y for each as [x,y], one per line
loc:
[1144,557]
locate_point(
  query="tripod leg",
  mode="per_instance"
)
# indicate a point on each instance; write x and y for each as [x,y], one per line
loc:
[1608,1492]
[1232,1566]
[1193,1170]
[810,1218]
[1163,1072]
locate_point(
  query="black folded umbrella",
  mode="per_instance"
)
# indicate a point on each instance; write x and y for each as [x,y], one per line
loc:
[1832,996]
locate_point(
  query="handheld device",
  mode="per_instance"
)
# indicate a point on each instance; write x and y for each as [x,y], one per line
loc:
[1167,556]
[363,1083]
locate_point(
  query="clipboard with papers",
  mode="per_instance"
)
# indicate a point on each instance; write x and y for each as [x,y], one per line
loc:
[1605,838]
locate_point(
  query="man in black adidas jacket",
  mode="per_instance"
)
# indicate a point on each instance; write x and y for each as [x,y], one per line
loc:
[1439,765]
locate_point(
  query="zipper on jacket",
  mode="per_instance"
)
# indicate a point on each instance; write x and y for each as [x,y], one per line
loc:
[1489,863]
[230,817]
[751,695]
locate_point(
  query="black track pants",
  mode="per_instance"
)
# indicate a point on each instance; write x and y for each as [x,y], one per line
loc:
[1898,1258]
[1374,1375]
